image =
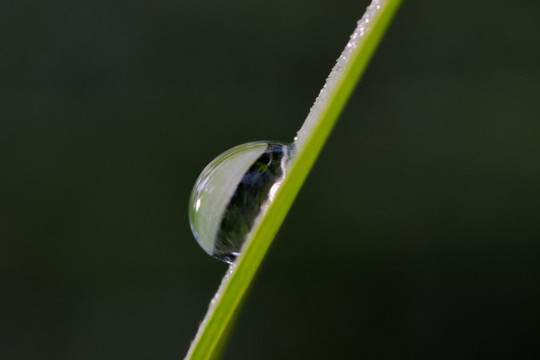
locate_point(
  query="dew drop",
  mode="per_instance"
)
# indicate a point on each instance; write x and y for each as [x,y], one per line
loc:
[232,191]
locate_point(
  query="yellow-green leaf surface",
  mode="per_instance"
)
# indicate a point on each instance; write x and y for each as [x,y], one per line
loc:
[218,322]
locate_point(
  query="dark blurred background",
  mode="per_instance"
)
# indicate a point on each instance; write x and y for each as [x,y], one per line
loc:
[416,234]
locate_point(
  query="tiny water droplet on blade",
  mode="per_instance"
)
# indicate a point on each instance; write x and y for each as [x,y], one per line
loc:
[232,191]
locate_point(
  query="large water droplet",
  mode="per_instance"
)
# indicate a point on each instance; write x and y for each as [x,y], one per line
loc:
[232,192]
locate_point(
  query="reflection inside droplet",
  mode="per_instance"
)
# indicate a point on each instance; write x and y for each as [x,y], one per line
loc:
[232,191]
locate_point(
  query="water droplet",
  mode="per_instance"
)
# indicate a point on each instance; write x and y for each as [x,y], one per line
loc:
[231,193]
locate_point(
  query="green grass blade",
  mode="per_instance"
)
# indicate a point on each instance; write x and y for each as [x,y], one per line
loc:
[217,324]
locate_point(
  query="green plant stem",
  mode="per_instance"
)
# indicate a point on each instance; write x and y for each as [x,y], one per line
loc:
[212,334]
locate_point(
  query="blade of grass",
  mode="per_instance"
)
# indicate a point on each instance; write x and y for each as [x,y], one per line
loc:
[213,331]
